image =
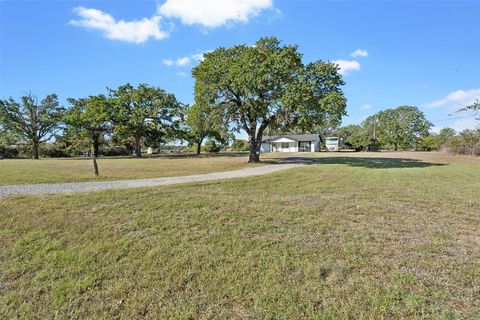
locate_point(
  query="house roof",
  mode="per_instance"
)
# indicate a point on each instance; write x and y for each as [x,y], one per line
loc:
[295,137]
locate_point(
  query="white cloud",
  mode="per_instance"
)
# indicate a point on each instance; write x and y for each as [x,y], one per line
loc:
[213,13]
[359,53]
[197,56]
[183,61]
[186,60]
[347,65]
[456,99]
[136,31]
[366,106]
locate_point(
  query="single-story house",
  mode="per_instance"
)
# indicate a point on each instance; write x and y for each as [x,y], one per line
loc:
[291,143]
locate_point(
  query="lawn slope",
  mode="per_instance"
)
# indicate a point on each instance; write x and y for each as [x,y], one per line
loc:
[359,237]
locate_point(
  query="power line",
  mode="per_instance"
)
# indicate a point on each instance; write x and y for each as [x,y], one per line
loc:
[447,119]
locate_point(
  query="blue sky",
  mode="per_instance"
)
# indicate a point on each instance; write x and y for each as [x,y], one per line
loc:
[392,53]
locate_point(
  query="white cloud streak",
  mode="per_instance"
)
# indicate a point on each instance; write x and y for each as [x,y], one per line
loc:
[359,53]
[184,61]
[456,99]
[347,66]
[366,106]
[136,31]
[213,13]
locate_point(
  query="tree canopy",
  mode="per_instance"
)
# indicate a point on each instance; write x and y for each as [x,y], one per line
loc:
[90,118]
[401,127]
[139,111]
[34,122]
[202,121]
[267,86]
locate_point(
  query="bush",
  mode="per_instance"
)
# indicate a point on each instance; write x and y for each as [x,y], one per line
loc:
[211,146]
[239,145]
[468,143]
[8,152]
[115,151]
[52,150]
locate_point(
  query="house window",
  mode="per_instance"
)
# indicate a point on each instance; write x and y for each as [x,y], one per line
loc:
[304,146]
[285,145]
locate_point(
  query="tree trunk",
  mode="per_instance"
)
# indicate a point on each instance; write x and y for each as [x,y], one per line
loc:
[35,150]
[138,147]
[95,146]
[95,166]
[395,147]
[199,145]
[253,156]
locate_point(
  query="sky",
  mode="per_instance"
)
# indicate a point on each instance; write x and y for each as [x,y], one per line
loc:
[391,53]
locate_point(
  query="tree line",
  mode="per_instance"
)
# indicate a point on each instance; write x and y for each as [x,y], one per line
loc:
[406,128]
[261,89]
[251,88]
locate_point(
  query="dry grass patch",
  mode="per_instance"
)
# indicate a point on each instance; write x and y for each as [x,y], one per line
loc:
[71,170]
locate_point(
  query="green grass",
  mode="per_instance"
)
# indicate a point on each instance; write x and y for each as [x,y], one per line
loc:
[354,236]
[71,170]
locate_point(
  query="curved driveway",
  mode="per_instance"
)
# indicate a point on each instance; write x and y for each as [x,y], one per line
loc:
[71,187]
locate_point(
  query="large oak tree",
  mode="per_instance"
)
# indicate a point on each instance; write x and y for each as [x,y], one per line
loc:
[400,127]
[138,111]
[267,86]
[33,121]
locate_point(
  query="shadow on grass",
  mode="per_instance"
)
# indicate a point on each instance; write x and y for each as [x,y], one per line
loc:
[373,163]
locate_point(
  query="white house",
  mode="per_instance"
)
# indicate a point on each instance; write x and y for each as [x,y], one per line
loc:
[291,143]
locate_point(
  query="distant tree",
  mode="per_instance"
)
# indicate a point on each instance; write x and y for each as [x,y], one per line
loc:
[401,127]
[475,107]
[89,118]
[34,122]
[138,110]
[202,122]
[361,139]
[267,86]
[447,132]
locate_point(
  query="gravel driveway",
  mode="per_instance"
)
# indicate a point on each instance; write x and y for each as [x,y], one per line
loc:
[126,184]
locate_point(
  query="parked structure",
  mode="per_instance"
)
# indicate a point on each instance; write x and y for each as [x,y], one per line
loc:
[333,143]
[291,143]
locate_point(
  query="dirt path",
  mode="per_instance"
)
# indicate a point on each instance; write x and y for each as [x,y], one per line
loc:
[72,187]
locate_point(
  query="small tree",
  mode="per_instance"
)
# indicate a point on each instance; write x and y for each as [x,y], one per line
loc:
[137,110]
[32,121]
[89,118]
[267,86]
[202,122]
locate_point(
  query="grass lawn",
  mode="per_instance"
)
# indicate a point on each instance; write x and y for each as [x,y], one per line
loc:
[78,169]
[364,236]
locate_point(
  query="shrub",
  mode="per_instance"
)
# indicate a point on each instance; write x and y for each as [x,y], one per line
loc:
[8,152]
[116,151]
[53,150]
[239,145]
[211,146]
[468,142]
